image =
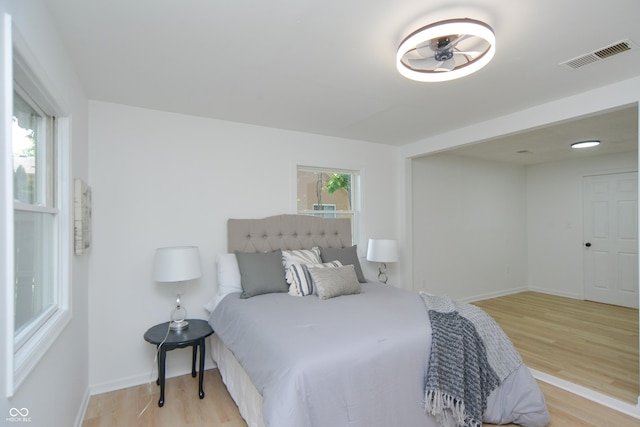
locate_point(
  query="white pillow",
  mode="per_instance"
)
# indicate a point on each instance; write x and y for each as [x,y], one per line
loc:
[228,274]
[228,278]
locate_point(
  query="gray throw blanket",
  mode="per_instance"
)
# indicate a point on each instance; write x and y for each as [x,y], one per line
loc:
[470,356]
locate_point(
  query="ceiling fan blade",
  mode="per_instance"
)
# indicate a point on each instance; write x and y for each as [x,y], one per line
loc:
[468,53]
[454,42]
[447,65]
[414,54]
[425,50]
[473,43]
[425,63]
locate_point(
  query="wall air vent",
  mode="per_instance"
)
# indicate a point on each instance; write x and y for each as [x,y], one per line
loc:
[599,55]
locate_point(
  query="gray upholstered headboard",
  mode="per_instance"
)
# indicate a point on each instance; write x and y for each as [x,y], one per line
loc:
[287,232]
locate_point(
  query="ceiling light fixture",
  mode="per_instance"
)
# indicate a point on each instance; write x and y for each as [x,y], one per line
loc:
[446,50]
[585,144]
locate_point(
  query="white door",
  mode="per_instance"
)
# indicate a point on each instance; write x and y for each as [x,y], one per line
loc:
[611,238]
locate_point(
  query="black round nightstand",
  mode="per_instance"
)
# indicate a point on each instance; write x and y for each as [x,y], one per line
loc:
[194,336]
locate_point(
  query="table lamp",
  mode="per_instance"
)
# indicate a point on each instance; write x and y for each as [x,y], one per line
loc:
[382,251]
[177,264]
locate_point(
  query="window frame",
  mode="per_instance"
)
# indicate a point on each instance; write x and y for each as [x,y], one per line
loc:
[26,350]
[355,201]
[44,206]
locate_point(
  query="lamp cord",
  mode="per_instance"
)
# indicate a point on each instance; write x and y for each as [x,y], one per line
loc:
[153,366]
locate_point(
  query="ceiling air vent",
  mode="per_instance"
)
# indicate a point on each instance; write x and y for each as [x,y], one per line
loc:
[599,55]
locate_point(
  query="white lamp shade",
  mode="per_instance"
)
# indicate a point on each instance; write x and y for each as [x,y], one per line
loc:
[176,264]
[382,250]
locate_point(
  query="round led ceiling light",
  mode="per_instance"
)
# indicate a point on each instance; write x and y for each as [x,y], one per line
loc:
[586,144]
[446,50]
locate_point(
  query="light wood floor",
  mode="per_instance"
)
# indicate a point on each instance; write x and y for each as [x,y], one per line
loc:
[183,407]
[586,343]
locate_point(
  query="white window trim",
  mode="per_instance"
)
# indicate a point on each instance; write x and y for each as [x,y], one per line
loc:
[21,361]
[26,207]
[52,322]
[356,195]
[6,204]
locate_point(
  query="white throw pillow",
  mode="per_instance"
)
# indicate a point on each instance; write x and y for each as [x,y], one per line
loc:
[299,256]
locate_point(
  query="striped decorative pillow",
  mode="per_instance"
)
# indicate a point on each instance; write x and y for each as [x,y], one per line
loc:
[299,256]
[302,282]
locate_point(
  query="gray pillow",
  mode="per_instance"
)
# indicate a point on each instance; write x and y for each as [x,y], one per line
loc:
[333,282]
[346,256]
[261,273]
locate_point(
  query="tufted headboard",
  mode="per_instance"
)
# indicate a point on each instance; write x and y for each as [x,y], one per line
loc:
[287,232]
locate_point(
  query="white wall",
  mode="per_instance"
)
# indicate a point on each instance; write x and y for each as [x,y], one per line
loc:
[469,227]
[163,179]
[56,391]
[485,228]
[555,228]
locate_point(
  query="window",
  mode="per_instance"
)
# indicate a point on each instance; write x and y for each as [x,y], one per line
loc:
[328,193]
[35,215]
[41,222]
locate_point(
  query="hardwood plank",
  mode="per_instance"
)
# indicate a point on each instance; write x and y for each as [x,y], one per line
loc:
[587,343]
[182,407]
[568,409]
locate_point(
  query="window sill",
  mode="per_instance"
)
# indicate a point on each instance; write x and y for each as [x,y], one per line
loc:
[28,356]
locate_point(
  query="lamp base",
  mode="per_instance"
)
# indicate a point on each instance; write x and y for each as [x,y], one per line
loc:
[178,325]
[178,314]
[382,273]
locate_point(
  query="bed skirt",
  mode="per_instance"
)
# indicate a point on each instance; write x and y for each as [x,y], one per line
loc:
[242,391]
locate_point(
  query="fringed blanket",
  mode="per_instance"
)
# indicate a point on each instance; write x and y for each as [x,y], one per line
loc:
[470,356]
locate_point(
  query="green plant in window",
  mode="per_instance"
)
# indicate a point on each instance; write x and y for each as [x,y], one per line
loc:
[29,151]
[338,181]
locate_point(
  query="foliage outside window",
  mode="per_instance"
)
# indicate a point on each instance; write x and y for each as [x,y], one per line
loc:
[328,193]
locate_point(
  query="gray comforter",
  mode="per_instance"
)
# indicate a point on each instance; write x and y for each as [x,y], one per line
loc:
[355,360]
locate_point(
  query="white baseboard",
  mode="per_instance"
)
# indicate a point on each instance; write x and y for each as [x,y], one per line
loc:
[83,409]
[556,293]
[119,384]
[594,396]
[512,291]
[137,380]
[490,295]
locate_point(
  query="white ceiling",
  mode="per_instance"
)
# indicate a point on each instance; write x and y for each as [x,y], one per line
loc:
[617,130]
[329,67]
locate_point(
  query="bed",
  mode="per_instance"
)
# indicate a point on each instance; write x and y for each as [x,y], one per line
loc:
[331,352]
